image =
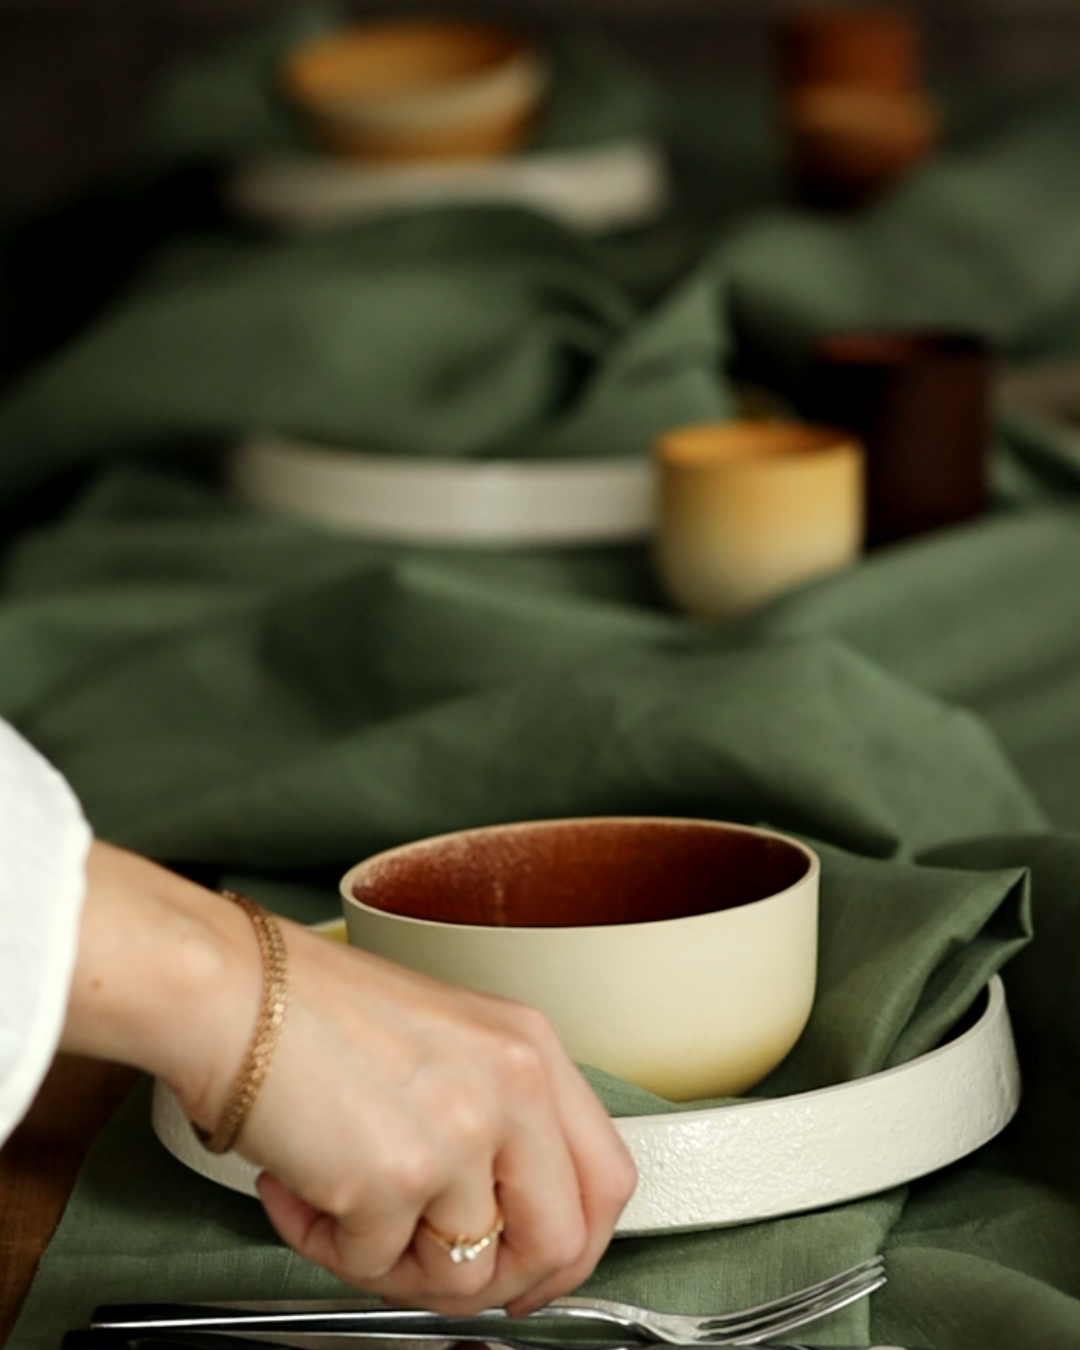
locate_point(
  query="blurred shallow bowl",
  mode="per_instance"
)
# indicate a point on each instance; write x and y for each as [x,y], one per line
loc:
[680,955]
[417,88]
[591,189]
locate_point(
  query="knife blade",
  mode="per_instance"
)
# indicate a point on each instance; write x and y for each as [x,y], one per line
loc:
[324,1315]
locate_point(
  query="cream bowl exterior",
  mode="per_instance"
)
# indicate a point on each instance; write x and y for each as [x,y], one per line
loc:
[701,1003]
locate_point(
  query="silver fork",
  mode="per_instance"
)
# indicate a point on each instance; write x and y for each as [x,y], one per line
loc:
[339,1319]
[747,1326]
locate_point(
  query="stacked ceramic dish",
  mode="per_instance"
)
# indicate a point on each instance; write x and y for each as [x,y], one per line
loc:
[425,112]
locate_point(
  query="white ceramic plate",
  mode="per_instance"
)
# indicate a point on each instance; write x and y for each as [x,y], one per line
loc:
[1051,385]
[763,1159]
[494,502]
[594,190]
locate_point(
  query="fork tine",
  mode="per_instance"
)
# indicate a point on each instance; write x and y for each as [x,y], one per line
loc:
[809,1314]
[834,1285]
[785,1315]
[797,1314]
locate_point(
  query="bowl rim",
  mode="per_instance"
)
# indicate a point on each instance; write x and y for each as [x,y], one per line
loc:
[809,879]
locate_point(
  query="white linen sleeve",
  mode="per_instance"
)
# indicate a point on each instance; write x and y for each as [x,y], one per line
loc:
[44,839]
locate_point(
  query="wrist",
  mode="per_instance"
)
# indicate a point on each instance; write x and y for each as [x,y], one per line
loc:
[168,979]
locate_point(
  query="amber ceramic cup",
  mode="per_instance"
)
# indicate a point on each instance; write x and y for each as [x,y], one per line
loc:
[416,89]
[847,145]
[748,510]
[920,403]
[679,955]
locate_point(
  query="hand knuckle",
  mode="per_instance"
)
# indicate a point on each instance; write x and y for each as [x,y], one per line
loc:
[623,1178]
[566,1246]
[467,1120]
[409,1170]
[522,1069]
[538,1029]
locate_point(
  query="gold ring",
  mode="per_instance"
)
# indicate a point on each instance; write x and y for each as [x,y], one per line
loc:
[463,1248]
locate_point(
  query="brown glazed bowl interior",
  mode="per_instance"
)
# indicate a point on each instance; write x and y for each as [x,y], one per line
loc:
[580,872]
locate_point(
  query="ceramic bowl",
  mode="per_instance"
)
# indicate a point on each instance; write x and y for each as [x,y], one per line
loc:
[416,89]
[750,509]
[680,955]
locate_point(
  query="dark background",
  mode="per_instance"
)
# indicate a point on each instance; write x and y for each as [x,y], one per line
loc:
[74,74]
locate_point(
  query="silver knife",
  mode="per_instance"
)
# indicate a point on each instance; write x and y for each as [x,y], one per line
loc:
[131,1338]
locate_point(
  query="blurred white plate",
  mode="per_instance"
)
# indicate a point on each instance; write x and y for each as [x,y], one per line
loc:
[756,1160]
[596,189]
[494,502]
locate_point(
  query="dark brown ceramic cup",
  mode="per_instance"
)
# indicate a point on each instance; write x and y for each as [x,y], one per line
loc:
[920,404]
[858,46]
[854,114]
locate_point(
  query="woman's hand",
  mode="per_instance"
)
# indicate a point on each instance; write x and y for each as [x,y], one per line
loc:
[394,1105]
[393,1099]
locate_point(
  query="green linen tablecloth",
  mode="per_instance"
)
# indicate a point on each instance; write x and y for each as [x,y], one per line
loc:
[264,703]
